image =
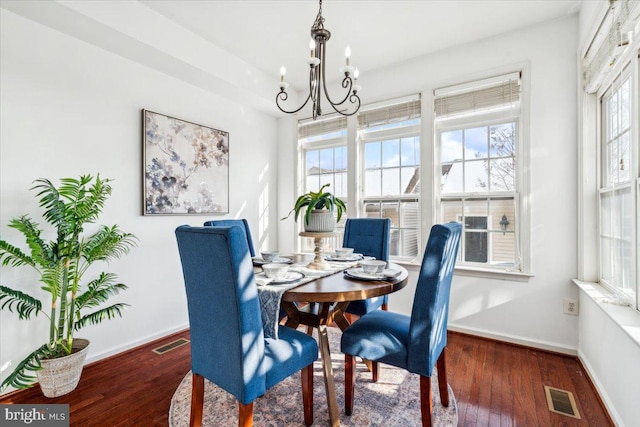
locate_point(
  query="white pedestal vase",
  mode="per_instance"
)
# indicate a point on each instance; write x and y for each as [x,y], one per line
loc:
[321,221]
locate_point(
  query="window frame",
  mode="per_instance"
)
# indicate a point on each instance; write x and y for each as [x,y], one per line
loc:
[520,194]
[354,141]
[305,244]
[364,137]
[629,69]
[429,170]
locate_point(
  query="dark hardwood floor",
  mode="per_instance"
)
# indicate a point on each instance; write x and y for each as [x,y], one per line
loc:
[495,384]
[500,384]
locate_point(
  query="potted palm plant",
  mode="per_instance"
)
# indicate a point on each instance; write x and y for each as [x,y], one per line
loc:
[320,206]
[61,264]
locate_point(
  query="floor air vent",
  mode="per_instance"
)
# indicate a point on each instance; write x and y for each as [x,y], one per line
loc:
[171,346]
[561,402]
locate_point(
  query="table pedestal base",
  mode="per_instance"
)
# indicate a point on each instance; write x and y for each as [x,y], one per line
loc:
[327,313]
[319,262]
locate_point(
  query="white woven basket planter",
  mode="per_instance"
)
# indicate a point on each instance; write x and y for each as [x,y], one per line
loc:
[322,220]
[61,375]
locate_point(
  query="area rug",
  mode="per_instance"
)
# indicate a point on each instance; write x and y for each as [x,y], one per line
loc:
[394,401]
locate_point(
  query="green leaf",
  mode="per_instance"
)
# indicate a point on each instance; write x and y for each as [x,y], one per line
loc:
[317,200]
[13,256]
[107,244]
[99,291]
[20,377]
[22,303]
[41,254]
[100,315]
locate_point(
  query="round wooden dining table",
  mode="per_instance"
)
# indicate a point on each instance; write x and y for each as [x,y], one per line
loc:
[328,298]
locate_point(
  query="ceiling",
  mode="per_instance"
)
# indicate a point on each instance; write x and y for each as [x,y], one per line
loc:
[268,34]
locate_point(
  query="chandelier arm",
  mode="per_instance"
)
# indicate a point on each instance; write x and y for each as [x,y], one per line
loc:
[280,96]
[351,100]
[346,83]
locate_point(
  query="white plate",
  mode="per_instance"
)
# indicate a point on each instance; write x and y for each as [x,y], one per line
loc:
[281,260]
[350,258]
[358,273]
[290,277]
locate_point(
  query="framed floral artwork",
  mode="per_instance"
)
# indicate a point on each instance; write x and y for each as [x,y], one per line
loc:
[186,167]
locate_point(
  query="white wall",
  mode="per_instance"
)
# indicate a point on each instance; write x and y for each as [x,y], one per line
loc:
[611,355]
[529,312]
[70,108]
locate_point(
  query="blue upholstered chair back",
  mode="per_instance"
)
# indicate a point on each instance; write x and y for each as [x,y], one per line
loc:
[428,329]
[224,312]
[368,236]
[242,223]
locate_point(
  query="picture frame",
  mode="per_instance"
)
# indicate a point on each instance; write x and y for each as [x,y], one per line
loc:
[185,167]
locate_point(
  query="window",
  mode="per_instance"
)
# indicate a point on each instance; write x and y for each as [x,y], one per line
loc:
[327,166]
[618,189]
[385,174]
[611,79]
[477,148]
[324,152]
[390,184]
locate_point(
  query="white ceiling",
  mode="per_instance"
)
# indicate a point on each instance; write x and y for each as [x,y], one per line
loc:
[268,34]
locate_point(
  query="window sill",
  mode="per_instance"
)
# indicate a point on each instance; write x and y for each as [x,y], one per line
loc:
[514,276]
[626,317]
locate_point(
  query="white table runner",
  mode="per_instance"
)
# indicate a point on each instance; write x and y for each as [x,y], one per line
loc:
[271,295]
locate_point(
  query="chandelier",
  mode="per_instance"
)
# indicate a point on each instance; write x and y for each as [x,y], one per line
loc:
[317,81]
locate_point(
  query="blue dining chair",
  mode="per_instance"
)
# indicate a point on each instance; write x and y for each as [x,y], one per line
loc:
[413,342]
[228,346]
[242,223]
[370,237]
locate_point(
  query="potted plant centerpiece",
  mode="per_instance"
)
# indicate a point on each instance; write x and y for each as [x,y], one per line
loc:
[61,264]
[320,206]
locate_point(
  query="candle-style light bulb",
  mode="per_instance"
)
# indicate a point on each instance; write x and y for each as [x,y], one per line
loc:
[283,71]
[356,87]
[347,54]
[312,47]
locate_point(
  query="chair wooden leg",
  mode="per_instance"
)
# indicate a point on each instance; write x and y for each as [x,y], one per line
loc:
[310,330]
[442,378]
[349,382]
[245,415]
[307,393]
[426,400]
[385,306]
[197,400]
[375,371]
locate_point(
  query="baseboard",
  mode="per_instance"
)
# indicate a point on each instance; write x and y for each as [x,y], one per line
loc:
[604,397]
[512,339]
[135,343]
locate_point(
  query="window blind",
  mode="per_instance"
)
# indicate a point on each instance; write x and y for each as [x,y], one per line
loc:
[390,113]
[614,35]
[482,95]
[321,127]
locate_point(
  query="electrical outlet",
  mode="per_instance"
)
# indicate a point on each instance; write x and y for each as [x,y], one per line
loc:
[570,306]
